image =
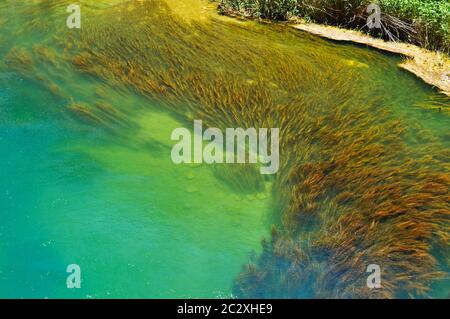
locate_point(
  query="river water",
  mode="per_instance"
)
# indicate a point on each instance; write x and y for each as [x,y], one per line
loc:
[98,189]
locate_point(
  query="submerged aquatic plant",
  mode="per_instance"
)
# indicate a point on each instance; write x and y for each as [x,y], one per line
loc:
[351,190]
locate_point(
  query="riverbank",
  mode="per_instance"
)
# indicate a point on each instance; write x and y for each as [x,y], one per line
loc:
[416,30]
[431,67]
[424,23]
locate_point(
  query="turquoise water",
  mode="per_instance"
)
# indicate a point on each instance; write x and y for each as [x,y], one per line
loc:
[108,197]
[137,225]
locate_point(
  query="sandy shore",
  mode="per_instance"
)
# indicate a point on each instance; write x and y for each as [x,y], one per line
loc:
[432,67]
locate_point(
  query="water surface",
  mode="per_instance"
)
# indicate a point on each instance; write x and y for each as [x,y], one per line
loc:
[100,190]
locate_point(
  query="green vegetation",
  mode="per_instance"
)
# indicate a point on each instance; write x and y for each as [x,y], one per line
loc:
[422,22]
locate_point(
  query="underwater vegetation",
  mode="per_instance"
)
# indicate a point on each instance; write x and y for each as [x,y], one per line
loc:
[358,183]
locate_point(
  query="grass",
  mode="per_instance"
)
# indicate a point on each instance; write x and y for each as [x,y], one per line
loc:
[422,22]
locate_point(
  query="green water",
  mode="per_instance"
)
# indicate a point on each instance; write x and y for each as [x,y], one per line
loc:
[109,198]
[114,203]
